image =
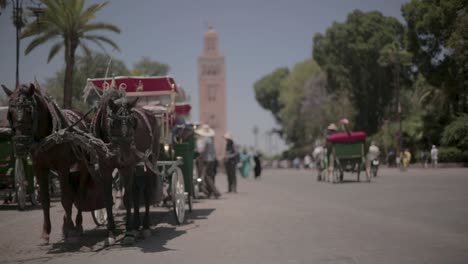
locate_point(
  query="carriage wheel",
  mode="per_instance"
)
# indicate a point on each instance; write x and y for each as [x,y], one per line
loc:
[99,216]
[178,195]
[34,196]
[21,197]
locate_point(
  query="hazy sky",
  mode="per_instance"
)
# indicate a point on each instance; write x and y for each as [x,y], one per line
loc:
[256,36]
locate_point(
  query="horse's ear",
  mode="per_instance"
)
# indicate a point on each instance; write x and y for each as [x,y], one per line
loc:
[31,89]
[133,103]
[7,91]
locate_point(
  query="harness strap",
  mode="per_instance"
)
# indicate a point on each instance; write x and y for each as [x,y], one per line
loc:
[75,118]
[147,123]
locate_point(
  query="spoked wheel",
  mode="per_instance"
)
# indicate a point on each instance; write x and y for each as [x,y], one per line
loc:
[178,195]
[35,199]
[99,217]
[21,197]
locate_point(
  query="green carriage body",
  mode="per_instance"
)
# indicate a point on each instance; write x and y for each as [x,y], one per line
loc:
[348,156]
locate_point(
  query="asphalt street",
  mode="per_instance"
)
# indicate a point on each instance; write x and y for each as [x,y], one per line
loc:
[417,216]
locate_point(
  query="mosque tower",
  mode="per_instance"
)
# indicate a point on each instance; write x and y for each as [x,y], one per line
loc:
[212,88]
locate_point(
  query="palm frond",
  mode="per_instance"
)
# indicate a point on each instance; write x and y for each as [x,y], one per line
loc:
[97,39]
[87,51]
[90,12]
[54,50]
[100,26]
[31,29]
[79,6]
[41,39]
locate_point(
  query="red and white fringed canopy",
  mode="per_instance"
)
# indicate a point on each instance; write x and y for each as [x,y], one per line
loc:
[182,108]
[137,85]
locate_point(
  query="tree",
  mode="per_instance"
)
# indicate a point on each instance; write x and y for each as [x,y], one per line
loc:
[291,97]
[436,35]
[349,52]
[68,20]
[148,67]
[456,133]
[95,65]
[267,91]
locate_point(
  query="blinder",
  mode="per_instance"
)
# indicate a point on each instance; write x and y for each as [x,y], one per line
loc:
[23,105]
[123,120]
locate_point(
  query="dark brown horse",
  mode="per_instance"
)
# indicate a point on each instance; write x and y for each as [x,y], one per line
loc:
[33,117]
[133,135]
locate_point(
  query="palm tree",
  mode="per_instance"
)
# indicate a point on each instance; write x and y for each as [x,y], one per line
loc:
[68,21]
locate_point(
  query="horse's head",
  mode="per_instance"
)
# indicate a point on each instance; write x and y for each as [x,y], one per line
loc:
[22,109]
[120,121]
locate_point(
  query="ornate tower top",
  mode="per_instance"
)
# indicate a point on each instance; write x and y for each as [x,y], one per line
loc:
[210,41]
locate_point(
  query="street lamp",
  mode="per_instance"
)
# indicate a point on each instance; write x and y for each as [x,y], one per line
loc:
[19,23]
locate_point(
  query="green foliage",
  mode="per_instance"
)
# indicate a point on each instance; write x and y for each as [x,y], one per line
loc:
[148,67]
[456,133]
[291,97]
[436,35]
[451,154]
[267,91]
[349,52]
[69,25]
[94,66]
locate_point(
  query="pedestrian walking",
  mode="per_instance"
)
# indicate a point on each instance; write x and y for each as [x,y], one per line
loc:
[258,165]
[206,148]
[244,163]
[424,158]
[319,159]
[406,158]
[434,156]
[231,158]
[307,161]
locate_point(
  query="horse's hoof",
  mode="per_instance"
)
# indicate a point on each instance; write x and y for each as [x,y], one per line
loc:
[44,242]
[110,241]
[146,233]
[79,230]
[72,239]
[128,240]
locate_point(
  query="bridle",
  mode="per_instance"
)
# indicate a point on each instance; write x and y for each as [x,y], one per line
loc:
[127,122]
[22,143]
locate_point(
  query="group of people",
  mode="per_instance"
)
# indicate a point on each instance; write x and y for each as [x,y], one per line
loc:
[207,163]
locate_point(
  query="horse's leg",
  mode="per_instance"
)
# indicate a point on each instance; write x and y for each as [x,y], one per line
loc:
[147,196]
[108,200]
[81,198]
[67,200]
[127,176]
[42,176]
[136,203]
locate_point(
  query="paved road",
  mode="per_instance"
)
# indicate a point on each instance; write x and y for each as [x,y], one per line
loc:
[419,216]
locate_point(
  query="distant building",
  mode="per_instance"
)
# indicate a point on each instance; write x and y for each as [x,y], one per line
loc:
[212,88]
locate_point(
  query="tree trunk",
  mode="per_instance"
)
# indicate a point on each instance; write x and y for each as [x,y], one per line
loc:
[70,49]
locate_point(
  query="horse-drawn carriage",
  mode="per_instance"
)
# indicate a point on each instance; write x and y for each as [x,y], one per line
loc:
[346,153]
[157,96]
[145,139]
[13,186]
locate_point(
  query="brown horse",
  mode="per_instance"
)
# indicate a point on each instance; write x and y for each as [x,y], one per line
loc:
[33,117]
[133,135]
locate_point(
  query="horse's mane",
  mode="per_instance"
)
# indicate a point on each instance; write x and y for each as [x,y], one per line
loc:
[98,122]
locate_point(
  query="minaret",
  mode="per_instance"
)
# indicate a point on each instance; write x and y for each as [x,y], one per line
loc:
[212,88]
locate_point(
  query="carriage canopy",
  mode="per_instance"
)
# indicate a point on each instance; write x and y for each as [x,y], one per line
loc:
[137,85]
[347,137]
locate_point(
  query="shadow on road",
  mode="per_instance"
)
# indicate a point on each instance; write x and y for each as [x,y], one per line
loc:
[163,230]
